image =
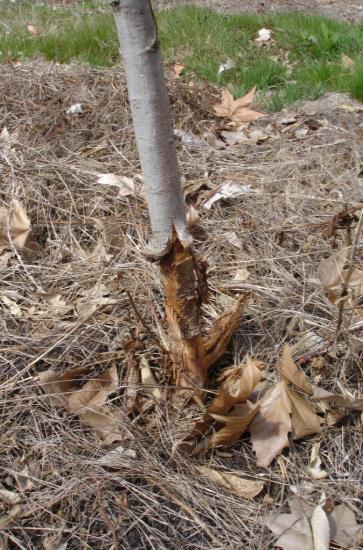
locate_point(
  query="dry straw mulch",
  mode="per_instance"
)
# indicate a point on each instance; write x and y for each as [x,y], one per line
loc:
[68,304]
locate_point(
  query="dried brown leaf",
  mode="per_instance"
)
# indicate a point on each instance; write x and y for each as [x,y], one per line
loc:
[293,530]
[238,110]
[241,381]
[339,400]
[304,420]
[15,227]
[344,527]
[331,269]
[289,370]
[88,402]
[242,487]
[271,426]
[234,426]
[94,392]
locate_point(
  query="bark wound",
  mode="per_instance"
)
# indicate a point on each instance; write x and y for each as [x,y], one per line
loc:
[183,303]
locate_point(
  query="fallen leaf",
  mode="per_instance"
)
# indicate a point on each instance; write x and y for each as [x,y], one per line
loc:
[237,110]
[116,457]
[264,35]
[33,30]
[304,420]
[344,527]
[346,61]
[148,379]
[294,530]
[282,411]
[240,381]
[93,392]
[125,185]
[15,227]
[330,270]
[339,400]
[320,529]
[240,486]
[235,424]
[88,402]
[272,424]
[289,370]
[228,190]
[192,216]
[178,68]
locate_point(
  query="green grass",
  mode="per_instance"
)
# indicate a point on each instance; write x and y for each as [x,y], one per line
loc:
[303,61]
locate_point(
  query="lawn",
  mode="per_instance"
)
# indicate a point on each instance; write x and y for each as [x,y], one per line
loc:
[302,60]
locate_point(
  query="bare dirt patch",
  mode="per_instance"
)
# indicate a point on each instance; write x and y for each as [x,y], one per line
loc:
[67,304]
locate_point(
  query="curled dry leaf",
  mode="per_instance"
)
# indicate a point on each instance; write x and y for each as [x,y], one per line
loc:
[289,370]
[237,110]
[229,190]
[229,408]
[88,402]
[126,186]
[235,424]
[242,487]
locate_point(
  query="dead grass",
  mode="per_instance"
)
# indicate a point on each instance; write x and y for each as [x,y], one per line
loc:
[89,237]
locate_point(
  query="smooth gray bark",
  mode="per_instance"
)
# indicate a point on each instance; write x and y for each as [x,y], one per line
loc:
[152,122]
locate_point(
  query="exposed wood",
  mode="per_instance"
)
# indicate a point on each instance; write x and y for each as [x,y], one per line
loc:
[222,331]
[183,303]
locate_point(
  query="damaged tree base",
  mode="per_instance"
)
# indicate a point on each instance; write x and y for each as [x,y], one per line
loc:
[186,289]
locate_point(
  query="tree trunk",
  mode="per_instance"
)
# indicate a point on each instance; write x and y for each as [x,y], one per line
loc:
[170,242]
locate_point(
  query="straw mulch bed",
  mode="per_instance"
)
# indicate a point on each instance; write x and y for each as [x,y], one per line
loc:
[73,308]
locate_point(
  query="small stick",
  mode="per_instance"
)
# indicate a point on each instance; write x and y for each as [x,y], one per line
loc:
[345,284]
